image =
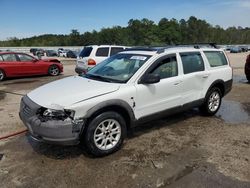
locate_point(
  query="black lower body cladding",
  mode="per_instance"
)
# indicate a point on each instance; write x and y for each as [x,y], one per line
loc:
[228,86]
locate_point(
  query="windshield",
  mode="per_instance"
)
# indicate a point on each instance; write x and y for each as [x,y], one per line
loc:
[118,68]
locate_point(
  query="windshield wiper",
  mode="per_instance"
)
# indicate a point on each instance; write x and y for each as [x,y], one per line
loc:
[98,77]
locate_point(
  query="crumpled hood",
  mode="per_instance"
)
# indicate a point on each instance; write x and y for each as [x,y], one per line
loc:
[70,90]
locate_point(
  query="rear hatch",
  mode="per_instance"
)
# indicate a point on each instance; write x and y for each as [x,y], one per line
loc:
[83,56]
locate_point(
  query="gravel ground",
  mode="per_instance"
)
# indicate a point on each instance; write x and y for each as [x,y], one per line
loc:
[184,150]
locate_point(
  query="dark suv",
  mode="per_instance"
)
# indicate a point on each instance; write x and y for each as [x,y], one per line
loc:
[247,68]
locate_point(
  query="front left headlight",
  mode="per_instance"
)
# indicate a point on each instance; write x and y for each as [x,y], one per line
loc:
[58,114]
[53,113]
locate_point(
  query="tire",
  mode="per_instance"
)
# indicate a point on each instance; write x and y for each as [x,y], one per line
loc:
[54,70]
[212,102]
[248,78]
[2,75]
[100,139]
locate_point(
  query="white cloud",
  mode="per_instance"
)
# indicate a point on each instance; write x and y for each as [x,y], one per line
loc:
[245,4]
[231,3]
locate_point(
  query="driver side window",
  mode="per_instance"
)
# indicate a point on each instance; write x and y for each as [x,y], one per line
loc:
[24,57]
[166,68]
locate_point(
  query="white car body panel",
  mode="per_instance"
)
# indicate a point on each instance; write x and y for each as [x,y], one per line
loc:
[157,97]
[75,89]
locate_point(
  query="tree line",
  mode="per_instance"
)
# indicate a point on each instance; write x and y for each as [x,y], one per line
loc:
[143,32]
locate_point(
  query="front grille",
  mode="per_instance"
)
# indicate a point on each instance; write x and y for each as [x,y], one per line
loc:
[28,108]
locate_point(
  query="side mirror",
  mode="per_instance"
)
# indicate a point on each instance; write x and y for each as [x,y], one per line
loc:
[34,60]
[150,79]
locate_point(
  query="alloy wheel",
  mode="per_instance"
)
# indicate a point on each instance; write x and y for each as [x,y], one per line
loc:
[214,101]
[107,134]
[54,71]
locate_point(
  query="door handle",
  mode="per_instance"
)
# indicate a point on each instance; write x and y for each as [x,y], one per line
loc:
[205,75]
[177,83]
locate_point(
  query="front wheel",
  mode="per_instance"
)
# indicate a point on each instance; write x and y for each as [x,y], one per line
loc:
[212,102]
[2,75]
[105,134]
[54,70]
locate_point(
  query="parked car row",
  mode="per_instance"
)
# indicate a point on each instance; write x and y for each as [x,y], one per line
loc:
[53,53]
[67,53]
[88,58]
[237,49]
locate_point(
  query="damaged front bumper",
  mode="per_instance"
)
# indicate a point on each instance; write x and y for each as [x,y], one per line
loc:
[65,132]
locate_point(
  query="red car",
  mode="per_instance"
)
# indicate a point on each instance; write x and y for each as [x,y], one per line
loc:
[247,68]
[13,64]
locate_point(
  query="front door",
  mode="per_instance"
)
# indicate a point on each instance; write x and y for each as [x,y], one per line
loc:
[166,94]
[29,65]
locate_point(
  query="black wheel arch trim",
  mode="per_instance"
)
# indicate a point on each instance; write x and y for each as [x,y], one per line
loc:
[227,86]
[113,102]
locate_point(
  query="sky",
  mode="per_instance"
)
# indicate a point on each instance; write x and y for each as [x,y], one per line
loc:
[26,18]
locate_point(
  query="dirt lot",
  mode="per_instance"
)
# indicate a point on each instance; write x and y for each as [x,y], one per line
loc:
[185,150]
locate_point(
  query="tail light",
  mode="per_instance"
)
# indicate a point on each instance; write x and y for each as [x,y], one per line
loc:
[91,62]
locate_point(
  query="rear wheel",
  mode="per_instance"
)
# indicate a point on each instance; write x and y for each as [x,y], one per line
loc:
[212,102]
[105,134]
[54,70]
[2,75]
[248,78]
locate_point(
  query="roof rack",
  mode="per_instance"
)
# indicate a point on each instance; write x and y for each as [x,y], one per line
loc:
[143,48]
[161,49]
[199,45]
[158,49]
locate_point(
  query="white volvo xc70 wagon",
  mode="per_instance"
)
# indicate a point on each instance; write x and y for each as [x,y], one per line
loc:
[126,89]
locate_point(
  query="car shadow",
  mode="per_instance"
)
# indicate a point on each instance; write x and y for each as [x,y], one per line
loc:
[66,152]
[59,152]
[28,79]
[163,122]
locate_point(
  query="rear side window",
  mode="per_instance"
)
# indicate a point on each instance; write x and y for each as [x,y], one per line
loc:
[1,58]
[9,57]
[216,59]
[115,50]
[86,52]
[102,52]
[192,62]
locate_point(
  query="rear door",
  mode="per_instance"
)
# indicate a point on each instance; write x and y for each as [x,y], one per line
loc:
[194,76]
[10,64]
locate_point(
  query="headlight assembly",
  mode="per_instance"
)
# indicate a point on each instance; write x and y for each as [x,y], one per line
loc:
[56,114]
[53,113]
